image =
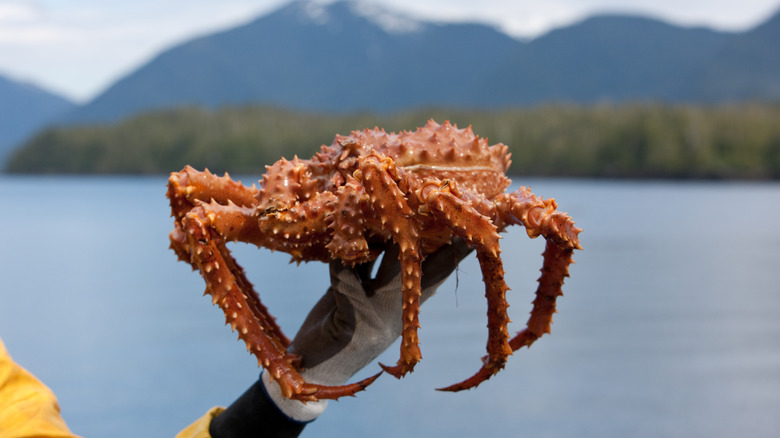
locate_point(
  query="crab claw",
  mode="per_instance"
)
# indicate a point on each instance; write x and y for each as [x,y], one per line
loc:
[398,370]
[483,374]
[313,392]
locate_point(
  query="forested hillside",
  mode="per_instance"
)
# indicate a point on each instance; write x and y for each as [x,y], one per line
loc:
[616,141]
[25,108]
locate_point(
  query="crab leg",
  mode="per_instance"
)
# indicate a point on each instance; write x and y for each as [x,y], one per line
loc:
[538,216]
[219,214]
[196,239]
[229,288]
[479,232]
[381,180]
[189,185]
[347,225]
[555,268]
[199,237]
[189,188]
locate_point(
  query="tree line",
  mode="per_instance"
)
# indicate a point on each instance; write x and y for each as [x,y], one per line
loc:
[642,140]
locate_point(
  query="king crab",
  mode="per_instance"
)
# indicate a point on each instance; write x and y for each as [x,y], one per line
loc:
[418,190]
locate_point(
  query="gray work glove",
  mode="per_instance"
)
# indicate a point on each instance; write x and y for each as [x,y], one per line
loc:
[355,321]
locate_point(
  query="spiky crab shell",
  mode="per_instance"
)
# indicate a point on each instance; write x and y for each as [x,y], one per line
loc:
[435,150]
[294,192]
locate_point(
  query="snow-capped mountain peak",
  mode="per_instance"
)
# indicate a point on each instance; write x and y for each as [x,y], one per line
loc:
[389,21]
[322,13]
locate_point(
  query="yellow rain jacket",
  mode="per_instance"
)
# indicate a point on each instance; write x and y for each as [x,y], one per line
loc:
[28,408]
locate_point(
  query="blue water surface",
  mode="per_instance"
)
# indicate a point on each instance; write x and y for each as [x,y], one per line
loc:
[670,323]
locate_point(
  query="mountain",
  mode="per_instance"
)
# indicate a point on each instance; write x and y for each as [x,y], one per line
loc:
[351,56]
[747,66]
[343,56]
[616,58]
[24,108]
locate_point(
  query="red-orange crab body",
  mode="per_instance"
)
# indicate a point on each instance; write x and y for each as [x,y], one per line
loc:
[417,189]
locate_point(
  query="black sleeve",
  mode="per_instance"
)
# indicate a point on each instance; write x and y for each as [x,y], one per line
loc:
[254,415]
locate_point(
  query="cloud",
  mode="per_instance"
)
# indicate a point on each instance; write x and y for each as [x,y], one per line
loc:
[36,35]
[12,12]
[26,23]
[80,47]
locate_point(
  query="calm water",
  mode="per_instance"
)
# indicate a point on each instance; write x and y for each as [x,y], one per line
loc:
[670,325]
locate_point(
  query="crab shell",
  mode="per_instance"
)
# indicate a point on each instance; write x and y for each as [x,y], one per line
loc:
[291,191]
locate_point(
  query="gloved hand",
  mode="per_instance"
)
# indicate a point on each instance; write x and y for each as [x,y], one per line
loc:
[354,322]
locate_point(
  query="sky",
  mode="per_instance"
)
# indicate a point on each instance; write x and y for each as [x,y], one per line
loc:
[77,48]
